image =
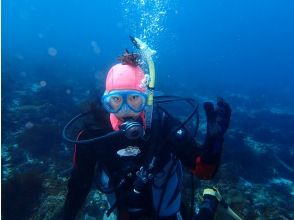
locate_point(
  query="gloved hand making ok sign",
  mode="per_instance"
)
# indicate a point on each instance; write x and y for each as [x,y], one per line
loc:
[218,117]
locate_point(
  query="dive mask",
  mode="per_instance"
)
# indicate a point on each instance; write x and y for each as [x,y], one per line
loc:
[117,100]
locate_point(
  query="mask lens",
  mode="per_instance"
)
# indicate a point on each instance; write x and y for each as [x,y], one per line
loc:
[113,103]
[136,101]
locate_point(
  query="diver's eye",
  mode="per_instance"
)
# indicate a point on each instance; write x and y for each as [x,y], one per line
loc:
[134,97]
[116,99]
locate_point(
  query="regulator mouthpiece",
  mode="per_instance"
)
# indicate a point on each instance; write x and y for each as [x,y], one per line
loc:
[132,130]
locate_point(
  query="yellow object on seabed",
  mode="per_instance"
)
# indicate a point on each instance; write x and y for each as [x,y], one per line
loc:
[213,191]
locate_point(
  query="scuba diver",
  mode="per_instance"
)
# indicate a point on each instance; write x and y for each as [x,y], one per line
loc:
[136,155]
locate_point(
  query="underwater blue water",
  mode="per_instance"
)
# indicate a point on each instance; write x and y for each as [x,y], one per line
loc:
[240,45]
[56,54]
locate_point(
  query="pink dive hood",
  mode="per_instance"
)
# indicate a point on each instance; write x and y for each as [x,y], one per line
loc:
[124,77]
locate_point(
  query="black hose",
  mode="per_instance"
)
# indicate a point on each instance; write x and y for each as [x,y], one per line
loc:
[114,134]
[191,101]
[194,112]
[73,120]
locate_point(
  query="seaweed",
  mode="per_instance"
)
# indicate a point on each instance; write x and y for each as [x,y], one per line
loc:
[21,195]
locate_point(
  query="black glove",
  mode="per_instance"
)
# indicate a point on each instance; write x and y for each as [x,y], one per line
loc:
[218,117]
[218,120]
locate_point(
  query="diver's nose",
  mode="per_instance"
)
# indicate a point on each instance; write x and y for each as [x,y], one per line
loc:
[124,108]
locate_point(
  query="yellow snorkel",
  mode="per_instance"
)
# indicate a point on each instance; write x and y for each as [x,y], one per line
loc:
[147,54]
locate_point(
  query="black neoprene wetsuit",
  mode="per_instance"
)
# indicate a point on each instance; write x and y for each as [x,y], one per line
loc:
[104,154]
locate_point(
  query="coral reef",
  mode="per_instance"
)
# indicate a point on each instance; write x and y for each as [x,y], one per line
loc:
[255,176]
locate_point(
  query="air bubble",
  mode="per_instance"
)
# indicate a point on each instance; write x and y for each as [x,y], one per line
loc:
[43,83]
[29,125]
[52,51]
